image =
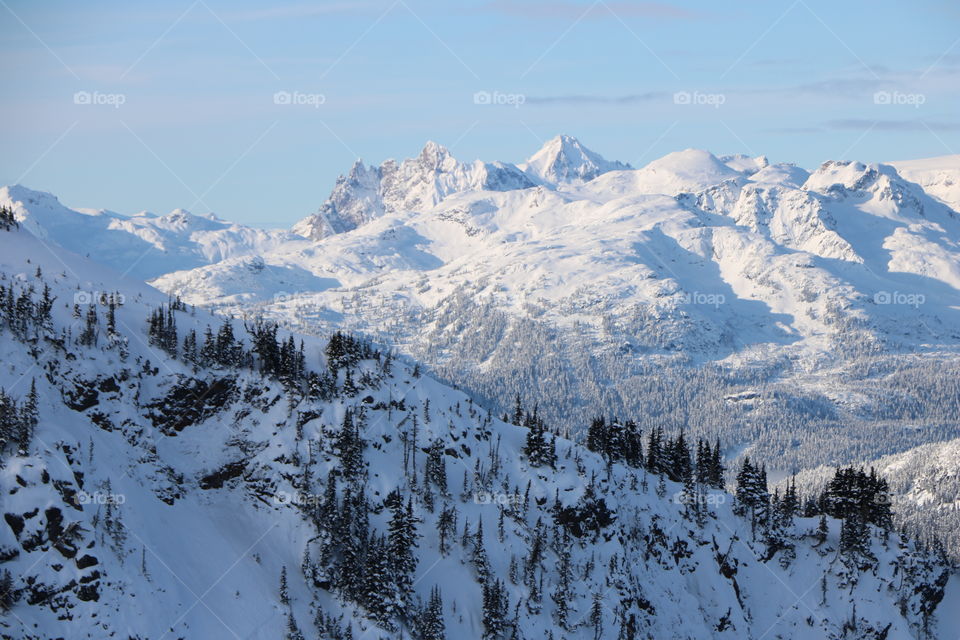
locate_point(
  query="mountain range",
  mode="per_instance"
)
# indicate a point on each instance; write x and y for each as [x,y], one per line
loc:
[169,472]
[800,313]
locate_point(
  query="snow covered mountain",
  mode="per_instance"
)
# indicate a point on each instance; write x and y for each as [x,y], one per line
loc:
[815,306]
[166,472]
[143,246]
[940,177]
[367,193]
[812,291]
[563,159]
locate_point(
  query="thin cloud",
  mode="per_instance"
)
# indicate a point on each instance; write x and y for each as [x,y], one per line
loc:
[861,124]
[568,10]
[589,99]
[301,10]
[794,130]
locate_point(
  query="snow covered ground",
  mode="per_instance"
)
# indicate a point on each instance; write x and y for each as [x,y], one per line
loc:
[164,499]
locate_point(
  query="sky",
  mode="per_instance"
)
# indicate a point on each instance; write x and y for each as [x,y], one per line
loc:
[251,110]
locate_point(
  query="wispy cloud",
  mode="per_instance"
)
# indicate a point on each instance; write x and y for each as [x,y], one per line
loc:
[859,124]
[301,10]
[794,130]
[567,10]
[579,99]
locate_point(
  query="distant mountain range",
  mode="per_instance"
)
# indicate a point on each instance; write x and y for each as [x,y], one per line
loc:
[808,297]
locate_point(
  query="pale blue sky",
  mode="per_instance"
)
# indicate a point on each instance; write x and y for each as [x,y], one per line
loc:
[199,128]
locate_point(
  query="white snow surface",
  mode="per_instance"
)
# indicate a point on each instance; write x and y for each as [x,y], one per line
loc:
[204,562]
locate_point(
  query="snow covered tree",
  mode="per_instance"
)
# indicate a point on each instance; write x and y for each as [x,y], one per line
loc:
[563,592]
[402,540]
[495,610]
[436,468]
[432,625]
[284,592]
[350,447]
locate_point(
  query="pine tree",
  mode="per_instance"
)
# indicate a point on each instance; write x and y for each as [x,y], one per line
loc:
[28,418]
[596,616]
[433,626]
[7,220]
[402,540]
[446,527]
[563,592]
[88,337]
[208,352]
[350,447]
[284,593]
[436,468]
[479,554]
[8,593]
[379,593]
[655,462]
[495,607]
[293,631]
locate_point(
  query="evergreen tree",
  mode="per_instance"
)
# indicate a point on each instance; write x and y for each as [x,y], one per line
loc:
[402,540]
[432,626]
[655,461]
[495,607]
[563,592]
[28,418]
[379,595]
[88,337]
[284,593]
[293,631]
[7,219]
[350,447]
[436,468]
[596,616]
[517,412]
[8,593]
[479,554]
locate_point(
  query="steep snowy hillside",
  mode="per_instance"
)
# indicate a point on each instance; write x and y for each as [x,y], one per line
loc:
[924,490]
[808,291]
[940,177]
[143,246]
[167,473]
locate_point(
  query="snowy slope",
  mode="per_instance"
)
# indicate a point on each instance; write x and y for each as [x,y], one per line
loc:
[777,275]
[144,245]
[940,177]
[925,490]
[804,286]
[163,499]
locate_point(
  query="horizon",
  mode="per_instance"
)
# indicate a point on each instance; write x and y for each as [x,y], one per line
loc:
[89,209]
[252,113]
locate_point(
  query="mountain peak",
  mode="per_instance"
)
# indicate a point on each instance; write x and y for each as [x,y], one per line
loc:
[564,159]
[435,156]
